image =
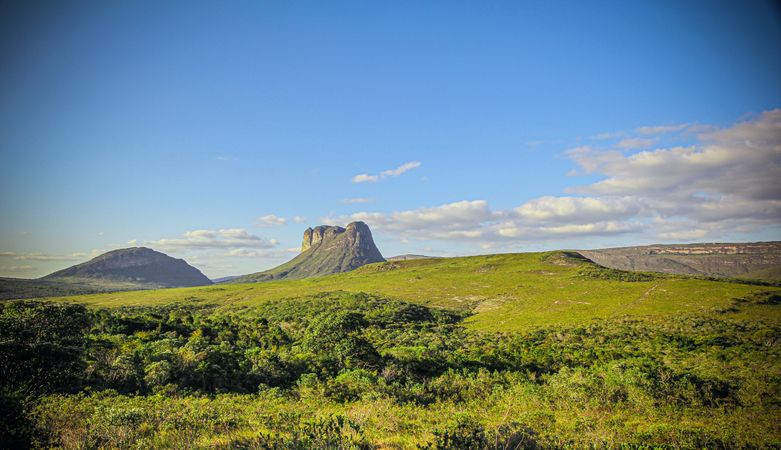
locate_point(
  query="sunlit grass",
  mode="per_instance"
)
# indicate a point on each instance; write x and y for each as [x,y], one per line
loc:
[509,292]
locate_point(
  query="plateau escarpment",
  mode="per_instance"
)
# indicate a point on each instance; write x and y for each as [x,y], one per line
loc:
[759,260]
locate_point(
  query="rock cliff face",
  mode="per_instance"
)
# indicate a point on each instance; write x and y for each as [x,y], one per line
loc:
[325,250]
[759,260]
[313,236]
[135,265]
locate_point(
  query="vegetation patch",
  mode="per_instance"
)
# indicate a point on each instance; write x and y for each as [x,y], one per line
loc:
[596,272]
[356,370]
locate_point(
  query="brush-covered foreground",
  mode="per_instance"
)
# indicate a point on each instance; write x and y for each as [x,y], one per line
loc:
[499,352]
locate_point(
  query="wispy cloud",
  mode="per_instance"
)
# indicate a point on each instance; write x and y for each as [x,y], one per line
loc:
[400,170]
[632,143]
[270,220]
[365,177]
[662,129]
[42,256]
[406,167]
[263,253]
[16,269]
[247,253]
[355,200]
[230,238]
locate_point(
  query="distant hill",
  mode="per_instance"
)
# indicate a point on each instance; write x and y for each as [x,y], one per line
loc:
[117,270]
[136,265]
[758,260]
[223,279]
[408,257]
[325,250]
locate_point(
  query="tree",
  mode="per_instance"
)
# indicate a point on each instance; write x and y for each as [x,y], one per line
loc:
[338,338]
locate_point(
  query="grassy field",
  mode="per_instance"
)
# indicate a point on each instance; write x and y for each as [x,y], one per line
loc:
[516,351]
[510,292]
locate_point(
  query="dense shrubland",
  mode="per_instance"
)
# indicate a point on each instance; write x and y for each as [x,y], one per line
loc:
[344,370]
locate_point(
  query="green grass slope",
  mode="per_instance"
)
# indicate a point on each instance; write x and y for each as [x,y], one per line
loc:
[20,288]
[770,273]
[535,350]
[509,292]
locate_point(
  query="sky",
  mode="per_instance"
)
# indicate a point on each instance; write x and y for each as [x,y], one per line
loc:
[218,131]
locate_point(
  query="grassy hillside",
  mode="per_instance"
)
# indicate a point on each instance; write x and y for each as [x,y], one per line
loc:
[508,292]
[11,288]
[526,351]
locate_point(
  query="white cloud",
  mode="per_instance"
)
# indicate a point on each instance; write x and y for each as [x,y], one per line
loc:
[585,229]
[270,220]
[16,269]
[354,200]
[449,221]
[275,254]
[201,234]
[230,238]
[406,167]
[588,209]
[662,129]
[631,143]
[725,182]
[474,221]
[727,179]
[41,256]
[608,135]
[735,165]
[246,253]
[364,177]
[685,235]
[400,170]
[299,219]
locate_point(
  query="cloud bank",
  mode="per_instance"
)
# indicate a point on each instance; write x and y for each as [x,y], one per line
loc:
[230,238]
[726,181]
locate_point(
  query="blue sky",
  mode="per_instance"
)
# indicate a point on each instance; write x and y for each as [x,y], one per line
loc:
[500,126]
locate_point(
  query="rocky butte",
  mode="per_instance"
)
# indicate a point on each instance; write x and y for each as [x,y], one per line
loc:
[325,250]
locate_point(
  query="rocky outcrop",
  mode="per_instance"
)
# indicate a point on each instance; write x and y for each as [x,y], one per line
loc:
[313,236]
[325,250]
